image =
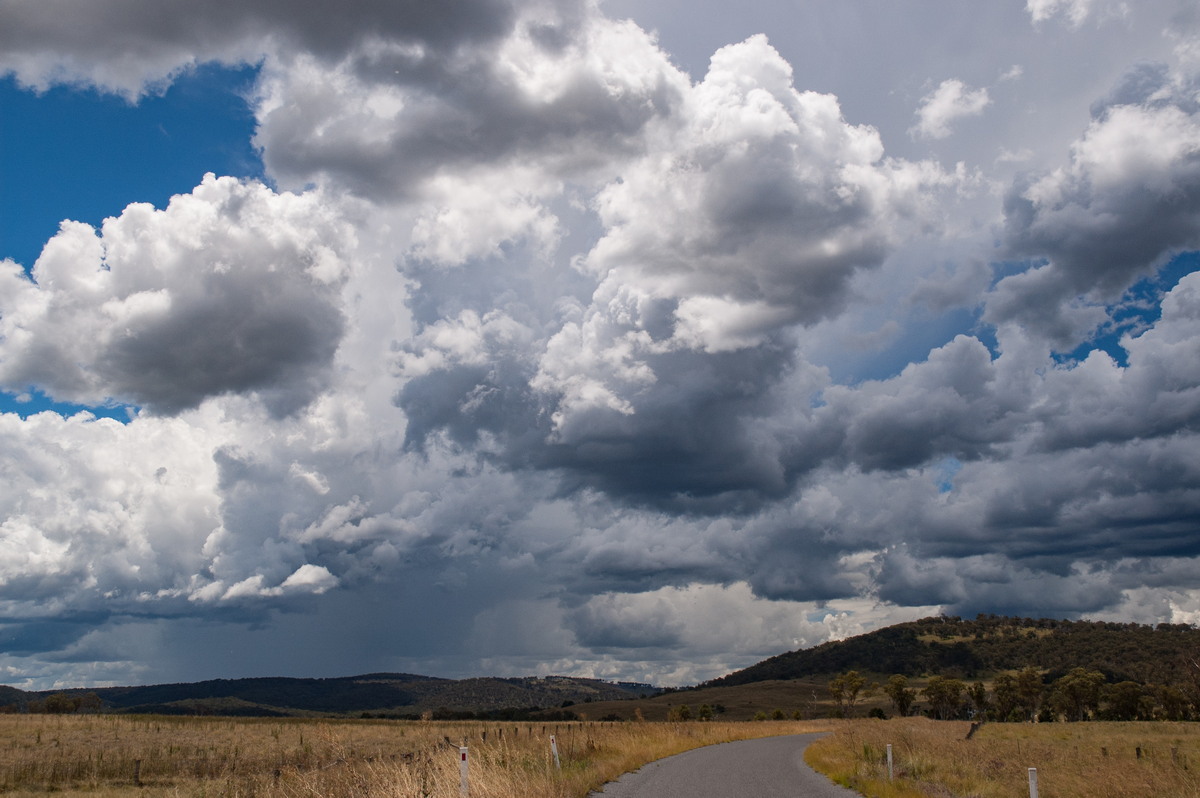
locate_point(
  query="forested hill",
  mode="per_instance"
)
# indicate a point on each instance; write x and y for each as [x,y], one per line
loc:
[961,648]
[391,694]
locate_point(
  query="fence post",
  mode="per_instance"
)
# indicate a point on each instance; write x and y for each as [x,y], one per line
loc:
[889,754]
[464,786]
[137,773]
[1033,793]
[554,750]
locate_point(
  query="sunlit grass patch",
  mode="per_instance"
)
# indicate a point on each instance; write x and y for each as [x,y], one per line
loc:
[1084,760]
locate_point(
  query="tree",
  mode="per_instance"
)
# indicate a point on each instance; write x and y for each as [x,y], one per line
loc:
[1123,701]
[1173,702]
[978,695]
[1030,691]
[681,712]
[61,704]
[1005,698]
[846,690]
[944,696]
[90,702]
[901,695]
[1077,694]
[705,712]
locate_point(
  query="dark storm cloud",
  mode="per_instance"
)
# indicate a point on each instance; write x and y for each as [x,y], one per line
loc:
[123,43]
[602,626]
[690,444]
[40,636]
[249,333]
[949,406]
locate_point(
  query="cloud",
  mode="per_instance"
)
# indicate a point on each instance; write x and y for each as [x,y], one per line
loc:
[950,101]
[55,42]
[1076,11]
[750,218]
[538,355]
[230,289]
[95,508]
[1123,206]
[569,90]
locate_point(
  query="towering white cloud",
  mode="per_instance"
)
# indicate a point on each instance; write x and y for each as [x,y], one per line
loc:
[539,354]
[230,289]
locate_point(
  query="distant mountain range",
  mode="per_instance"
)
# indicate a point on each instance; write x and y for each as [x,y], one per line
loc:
[382,694]
[1166,654]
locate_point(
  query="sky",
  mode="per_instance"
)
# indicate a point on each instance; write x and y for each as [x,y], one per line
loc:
[631,340]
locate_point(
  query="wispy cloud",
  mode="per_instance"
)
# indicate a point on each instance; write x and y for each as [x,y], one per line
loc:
[948,103]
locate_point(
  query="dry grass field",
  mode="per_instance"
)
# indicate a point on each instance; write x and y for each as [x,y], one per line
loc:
[157,757]
[192,757]
[933,759]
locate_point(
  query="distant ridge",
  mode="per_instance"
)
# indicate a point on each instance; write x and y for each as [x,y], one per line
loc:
[385,694]
[952,646]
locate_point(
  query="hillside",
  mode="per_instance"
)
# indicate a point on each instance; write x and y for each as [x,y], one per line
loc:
[979,649]
[989,644]
[809,697]
[396,694]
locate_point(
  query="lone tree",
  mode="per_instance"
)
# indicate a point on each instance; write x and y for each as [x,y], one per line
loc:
[901,695]
[846,689]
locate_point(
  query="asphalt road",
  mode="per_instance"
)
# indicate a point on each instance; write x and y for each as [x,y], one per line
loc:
[771,767]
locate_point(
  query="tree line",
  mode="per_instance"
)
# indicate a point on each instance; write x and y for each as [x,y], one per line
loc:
[58,704]
[1027,694]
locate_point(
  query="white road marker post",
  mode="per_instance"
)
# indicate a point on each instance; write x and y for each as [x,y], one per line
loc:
[464,785]
[889,752]
[554,750]
[1033,783]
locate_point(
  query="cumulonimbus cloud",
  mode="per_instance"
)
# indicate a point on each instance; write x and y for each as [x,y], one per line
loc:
[528,356]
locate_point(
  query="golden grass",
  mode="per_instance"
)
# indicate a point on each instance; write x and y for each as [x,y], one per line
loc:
[1073,760]
[171,757]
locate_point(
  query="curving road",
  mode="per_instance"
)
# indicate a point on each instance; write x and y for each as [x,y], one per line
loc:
[770,767]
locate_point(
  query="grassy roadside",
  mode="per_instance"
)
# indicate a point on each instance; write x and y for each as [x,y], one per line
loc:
[933,759]
[103,756]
